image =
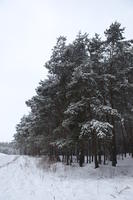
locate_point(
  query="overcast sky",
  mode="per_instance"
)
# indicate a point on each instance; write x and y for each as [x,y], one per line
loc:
[28,32]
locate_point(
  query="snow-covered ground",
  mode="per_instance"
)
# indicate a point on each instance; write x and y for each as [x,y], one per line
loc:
[27,178]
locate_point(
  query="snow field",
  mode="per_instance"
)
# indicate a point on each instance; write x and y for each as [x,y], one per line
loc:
[28,178]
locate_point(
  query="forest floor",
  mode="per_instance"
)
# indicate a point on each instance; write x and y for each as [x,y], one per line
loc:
[28,178]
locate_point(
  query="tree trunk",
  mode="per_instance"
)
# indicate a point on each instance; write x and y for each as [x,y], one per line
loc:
[95,150]
[114,159]
[81,159]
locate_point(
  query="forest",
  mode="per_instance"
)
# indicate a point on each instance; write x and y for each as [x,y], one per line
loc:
[83,111]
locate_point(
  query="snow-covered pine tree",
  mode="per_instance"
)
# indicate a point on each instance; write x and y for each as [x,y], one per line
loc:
[89,82]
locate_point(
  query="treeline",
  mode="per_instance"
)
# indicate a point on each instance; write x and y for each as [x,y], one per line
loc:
[84,109]
[8,148]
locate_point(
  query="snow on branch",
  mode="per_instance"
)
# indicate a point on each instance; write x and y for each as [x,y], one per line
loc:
[101,129]
[75,108]
[61,143]
[107,110]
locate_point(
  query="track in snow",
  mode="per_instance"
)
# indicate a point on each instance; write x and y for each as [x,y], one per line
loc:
[10,162]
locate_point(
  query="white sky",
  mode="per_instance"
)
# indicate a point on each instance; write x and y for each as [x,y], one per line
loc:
[28,32]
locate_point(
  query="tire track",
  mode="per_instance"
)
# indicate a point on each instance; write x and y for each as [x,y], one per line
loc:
[9,163]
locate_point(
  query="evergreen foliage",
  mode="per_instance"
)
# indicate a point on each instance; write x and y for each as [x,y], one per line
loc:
[85,106]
